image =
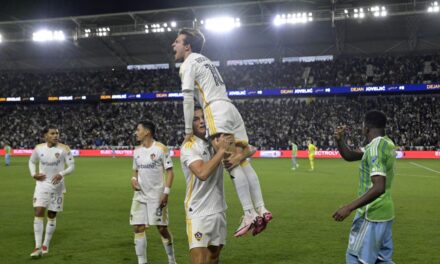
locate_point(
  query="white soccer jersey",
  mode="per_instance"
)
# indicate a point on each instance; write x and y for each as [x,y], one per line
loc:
[199,73]
[52,161]
[202,197]
[151,164]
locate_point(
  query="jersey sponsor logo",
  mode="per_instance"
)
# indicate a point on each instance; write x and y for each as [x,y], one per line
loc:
[55,163]
[198,236]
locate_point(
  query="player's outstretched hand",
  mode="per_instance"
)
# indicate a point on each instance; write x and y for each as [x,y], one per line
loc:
[56,179]
[340,132]
[135,184]
[342,213]
[39,177]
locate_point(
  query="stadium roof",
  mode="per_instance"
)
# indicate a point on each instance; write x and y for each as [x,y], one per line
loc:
[124,40]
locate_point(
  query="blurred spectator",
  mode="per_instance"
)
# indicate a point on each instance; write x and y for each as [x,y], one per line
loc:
[413,121]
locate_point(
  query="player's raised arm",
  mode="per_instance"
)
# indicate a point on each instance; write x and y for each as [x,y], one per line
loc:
[346,153]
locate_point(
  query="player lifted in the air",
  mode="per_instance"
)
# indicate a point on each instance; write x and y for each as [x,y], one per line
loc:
[201,79]
[52,157]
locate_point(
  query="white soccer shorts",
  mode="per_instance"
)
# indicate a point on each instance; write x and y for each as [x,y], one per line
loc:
[223,117]
[207,230]
[148,214]
[52,201]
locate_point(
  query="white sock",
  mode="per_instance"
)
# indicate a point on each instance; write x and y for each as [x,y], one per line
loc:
[241,185]
[50,229]
[140,246]
[254,186]
[38,231]
[169,248]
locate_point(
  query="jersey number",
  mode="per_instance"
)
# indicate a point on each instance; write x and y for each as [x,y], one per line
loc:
[215,74]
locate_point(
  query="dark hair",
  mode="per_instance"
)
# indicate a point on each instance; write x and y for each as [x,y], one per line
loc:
[47,128]
[375,119]
[149,125]
[194,38]
[197,107]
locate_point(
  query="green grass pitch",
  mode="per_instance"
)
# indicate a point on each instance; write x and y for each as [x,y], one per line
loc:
[94,226]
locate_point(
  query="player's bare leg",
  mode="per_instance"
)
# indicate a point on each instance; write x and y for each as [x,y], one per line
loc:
[214,254]
[38,231]
[167,240]
[242,188]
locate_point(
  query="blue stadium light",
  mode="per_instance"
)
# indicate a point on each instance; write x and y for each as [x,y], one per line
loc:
[434,7]
[48,35]
[293,18]
[221,24]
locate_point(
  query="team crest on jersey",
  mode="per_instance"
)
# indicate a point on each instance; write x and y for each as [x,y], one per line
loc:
[57,155]
[198,236]
[153,156]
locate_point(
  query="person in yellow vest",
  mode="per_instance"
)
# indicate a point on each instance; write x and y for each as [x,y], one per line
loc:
[312,148]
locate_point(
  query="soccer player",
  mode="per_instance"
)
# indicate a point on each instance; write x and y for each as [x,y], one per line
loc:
[312,149]
[294,147]
[205,204]
[149,207]
[370,238]
[8,152]
[52,157]
[201,79]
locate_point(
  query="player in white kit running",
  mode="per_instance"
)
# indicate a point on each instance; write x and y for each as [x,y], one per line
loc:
[52,158]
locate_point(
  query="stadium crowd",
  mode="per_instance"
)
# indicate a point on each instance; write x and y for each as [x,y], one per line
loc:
[414,121]
[342,71]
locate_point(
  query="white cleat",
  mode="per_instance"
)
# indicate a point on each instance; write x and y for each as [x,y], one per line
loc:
[37,253]
[246,225]
[44,250]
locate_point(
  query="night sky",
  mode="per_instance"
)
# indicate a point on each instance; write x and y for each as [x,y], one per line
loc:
[37,9]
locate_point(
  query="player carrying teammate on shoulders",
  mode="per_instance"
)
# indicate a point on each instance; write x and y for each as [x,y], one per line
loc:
[201,79]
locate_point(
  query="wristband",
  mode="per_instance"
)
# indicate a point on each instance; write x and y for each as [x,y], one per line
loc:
[166,190]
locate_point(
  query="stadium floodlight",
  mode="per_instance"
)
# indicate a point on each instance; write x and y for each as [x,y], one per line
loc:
[103,31]
[379,11]
[1,38]
[160,27]
[221,24]
[293,18]
[434,7]
[359,13]
[48,35]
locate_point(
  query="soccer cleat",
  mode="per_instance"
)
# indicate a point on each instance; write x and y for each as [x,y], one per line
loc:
[37,253]
[44,250]
[267,216]
[247,223]
[260,225]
